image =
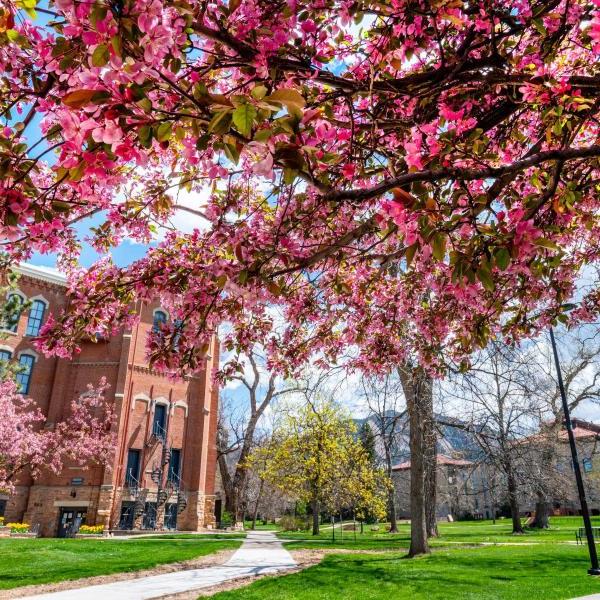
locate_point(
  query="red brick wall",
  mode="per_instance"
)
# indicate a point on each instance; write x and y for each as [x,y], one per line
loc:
[135,390]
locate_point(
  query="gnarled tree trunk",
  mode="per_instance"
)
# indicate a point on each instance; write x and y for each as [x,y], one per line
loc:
[542,512]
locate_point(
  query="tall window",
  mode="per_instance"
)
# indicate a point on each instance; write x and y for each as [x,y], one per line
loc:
[5,355]
[160,317]
[159,424]
[24,376]
[175,465]
[15,301]
[36,317]
[132,475]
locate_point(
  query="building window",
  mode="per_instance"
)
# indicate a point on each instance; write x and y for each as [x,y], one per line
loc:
[16,301]
[36,317]
[175,465]
[5,355]
[24,376]
[159,425]
[132,474]
[160,318]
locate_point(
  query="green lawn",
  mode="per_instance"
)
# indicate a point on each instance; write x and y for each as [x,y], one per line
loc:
[35,561]
[197,536]
[466,533]
[546,571]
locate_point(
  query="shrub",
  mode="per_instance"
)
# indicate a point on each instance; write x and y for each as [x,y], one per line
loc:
[18,527]
[1,521]
[226,519]
[91,529]
[291,523]
[374,528]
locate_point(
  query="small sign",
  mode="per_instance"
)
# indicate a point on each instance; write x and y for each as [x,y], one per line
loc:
[77,481]
[587,465]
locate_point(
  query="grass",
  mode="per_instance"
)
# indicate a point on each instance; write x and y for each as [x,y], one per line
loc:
[562,529]
[196,536]
[489,573]
[36,561]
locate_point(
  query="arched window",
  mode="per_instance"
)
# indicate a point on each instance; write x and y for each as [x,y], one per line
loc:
[160,317]
[24,376]
[5,355]
[36,317]
[15,301]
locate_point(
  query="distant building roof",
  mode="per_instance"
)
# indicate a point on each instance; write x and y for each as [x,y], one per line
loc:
[50,274]
[441,459]
[581,430]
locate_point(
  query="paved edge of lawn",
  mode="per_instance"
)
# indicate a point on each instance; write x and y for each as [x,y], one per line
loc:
[207,560]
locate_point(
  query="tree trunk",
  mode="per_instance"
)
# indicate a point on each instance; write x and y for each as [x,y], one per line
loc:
[392,509]
[542,513]
[391,495]
[513,501]
[315,516]
[258,498]
[430,454]
[414,383]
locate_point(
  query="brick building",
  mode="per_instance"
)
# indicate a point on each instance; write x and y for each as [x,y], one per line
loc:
[163,472]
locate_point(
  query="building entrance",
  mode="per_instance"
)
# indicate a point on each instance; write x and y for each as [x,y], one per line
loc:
[69,521]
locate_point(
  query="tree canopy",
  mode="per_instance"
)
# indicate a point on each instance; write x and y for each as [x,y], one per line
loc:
[397,176]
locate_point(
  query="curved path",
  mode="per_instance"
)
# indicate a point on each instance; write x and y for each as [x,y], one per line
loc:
[261,553]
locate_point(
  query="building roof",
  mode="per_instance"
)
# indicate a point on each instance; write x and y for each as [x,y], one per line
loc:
[50,274]
[581,430]
[441,459]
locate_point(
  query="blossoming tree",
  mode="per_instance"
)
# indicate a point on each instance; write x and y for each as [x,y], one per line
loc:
[401,177]
[27,445]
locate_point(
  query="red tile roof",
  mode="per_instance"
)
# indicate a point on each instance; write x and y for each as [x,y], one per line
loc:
[441,460]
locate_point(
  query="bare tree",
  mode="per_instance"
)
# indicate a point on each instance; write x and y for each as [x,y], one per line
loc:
[494,394]
[387,410]
[238,426]
[580,365]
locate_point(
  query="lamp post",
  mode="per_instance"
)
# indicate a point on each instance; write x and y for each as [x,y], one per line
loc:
[595,570]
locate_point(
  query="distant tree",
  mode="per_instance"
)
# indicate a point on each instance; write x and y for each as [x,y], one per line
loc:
[495,395]
[236,429]
[367,439]
[387,408]
[315,457]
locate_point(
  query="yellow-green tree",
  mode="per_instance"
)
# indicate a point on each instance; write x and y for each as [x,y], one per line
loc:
[316,457]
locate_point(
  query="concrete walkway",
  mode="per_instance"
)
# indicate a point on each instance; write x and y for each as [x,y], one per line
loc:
[261,553]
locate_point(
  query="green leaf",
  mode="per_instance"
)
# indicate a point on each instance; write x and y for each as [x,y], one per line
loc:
[484,275]
[544,243]
[243,119]
[163,133]
[410,253]
[287,96]
[259,92]
[78,98]
[145,136]
[221,122]
[502,258]
[438,245]
[100,56]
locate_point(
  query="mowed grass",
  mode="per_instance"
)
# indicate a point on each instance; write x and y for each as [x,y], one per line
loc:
[36,561]
[562,529]
[545,571]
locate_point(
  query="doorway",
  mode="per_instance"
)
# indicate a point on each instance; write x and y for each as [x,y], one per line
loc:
[69,521]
